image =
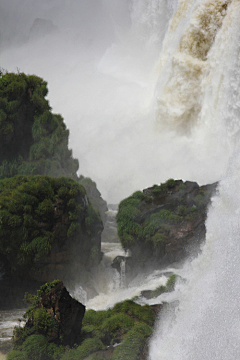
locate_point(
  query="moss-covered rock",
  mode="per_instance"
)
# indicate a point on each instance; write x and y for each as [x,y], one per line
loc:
[127,324]
[33,140]
[164,223]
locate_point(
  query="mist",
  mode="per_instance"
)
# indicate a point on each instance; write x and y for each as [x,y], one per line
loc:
[107,63]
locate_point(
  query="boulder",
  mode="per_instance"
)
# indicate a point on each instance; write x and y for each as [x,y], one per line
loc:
[165,223]
[67,313]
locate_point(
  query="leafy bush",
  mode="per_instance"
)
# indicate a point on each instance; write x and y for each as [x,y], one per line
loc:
[36,347]
[27,216]
[113,325]
[141,313]
[33,140]
[92,317]
[17,355]
[170,285]
[81,352]
[133,343]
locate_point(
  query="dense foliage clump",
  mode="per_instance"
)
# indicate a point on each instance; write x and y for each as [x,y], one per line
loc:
[134,228]
[31,207]
[148,220]
[33,140]
[127,324]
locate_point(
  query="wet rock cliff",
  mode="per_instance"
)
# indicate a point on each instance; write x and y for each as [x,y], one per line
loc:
[165,223]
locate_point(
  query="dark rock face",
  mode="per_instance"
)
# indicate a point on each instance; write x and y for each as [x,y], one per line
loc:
[185,236]
[164,224]
[94,196]
[67,311]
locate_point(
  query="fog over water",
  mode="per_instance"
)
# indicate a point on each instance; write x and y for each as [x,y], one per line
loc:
[106,63]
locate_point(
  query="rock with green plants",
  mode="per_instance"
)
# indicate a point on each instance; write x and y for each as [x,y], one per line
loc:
[34,140]
[49,216]
[48,229]
[56,329]
[165,223]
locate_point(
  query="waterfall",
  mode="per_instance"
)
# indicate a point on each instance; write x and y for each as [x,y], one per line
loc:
[150,89]
[123,273]
[202,93]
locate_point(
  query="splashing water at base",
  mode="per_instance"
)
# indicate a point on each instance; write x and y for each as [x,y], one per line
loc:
[8,319]
[111,285]
[207,323]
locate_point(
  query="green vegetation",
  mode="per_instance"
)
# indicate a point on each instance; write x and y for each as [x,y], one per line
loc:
[160,189]
[150,220]
[127,323]
[42,323]
[153,231]
[163,289]
[30,206]
[33,140]
[133,343]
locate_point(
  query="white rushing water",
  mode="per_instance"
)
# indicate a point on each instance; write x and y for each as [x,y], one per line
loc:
[150,89]
[206,325]
[111,285]
[8,319]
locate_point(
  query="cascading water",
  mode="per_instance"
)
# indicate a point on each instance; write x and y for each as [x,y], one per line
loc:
[123,273]
[115,68]
[206,325]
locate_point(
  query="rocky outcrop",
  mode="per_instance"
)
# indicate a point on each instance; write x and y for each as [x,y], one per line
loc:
[165,223]
[55,315]
[48,230]
[94,196]
[67,311]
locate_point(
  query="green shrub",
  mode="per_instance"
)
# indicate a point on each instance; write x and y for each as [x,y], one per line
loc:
[33,140]
[36,347]
[182,210]
[170,285]
[27,216]
[17,355]
[43,322]
[118,322]
[133,343]
[87,347]
[171,282]
[159,241]
[55,352]
[140,313]
[95,318]
[131,228]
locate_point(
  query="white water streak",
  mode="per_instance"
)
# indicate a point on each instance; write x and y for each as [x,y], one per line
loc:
[207,322]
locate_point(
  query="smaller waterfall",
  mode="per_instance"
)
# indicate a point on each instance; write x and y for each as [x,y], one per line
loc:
[123,274]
